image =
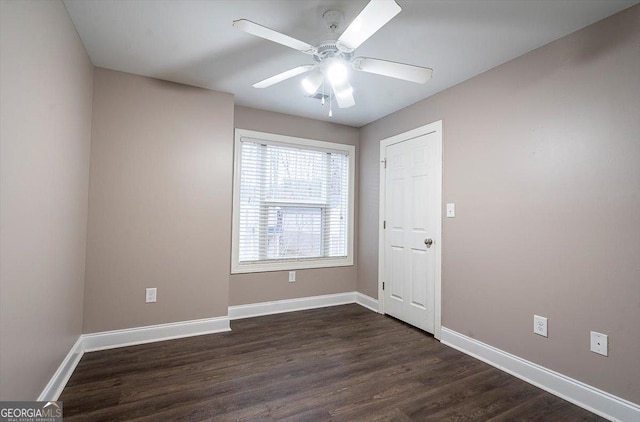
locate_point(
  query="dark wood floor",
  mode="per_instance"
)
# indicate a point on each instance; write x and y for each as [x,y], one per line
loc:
[339,363]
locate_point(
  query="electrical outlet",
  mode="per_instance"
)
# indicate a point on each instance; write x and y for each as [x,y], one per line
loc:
[600,343]
[540,325]
[292,276]
[151,295]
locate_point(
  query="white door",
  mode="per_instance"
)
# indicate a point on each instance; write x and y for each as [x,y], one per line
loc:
[412,204]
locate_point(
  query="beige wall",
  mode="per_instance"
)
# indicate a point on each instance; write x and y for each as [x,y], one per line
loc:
[45,132]
[262,287]
[541,157]
[159,202]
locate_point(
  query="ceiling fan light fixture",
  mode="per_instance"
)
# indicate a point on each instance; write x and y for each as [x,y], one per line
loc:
[312,82]
[343,92]
[337,71]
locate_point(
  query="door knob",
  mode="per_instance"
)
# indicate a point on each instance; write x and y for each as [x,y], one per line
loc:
[428,242]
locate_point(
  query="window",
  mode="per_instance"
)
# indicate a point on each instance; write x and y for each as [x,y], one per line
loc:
[292,203]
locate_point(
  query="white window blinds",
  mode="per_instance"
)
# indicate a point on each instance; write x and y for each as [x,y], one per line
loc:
[293,203]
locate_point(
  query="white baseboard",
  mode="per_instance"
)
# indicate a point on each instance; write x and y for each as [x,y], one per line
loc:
[127,337]
[290,305]
[153,333]
[594,400]
[368,302]
[59,380]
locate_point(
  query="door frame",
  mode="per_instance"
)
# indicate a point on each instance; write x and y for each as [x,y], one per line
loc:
[435,127]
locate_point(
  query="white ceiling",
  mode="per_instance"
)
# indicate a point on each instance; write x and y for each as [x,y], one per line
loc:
[192,42]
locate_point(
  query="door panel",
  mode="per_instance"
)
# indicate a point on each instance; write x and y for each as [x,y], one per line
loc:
[418,287]
[397,272]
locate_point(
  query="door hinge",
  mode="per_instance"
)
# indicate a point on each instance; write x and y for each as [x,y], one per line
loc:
[384,224]
[385,162]
[383,285]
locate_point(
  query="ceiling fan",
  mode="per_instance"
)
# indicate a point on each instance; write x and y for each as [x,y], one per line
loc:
[334,56]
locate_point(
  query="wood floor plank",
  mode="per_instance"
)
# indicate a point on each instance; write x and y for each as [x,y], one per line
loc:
[545,408]
[488,404]
[338,363]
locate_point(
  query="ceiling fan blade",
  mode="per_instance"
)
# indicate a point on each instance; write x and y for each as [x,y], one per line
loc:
[403,71]
[275,36]
[284,75]
[373,17]
[343,93]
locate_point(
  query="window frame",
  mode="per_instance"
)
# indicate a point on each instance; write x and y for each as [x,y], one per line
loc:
[289,264]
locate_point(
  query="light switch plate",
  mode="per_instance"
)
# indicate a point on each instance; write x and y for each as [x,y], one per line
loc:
[292,276]
[540,325]
[600,343]
[451,210]
[151,295]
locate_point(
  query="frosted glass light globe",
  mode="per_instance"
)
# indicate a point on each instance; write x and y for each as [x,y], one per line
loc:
[337,72]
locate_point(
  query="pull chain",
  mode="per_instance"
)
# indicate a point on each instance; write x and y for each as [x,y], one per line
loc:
[331,103]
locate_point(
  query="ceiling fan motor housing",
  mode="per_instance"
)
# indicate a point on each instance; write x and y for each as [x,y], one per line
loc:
[329,48]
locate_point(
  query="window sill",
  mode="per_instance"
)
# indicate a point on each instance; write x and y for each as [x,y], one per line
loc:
[290,265]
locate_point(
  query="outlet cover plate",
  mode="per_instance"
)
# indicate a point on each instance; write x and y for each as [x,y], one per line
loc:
[540,325]
[151,295]
[292,276]
[600,343]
